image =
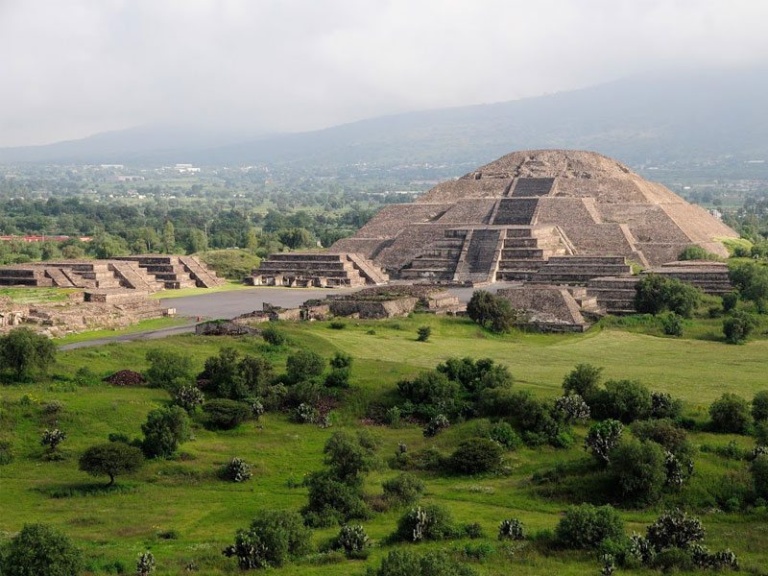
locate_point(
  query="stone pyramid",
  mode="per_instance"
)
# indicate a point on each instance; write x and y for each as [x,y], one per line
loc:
[508,218]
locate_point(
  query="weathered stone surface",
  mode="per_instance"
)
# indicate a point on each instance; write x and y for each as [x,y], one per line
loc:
[535,204]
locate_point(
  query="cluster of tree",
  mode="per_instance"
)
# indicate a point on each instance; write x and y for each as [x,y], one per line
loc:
[24,352]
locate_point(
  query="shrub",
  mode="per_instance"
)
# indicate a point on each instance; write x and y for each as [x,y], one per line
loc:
[491,311]
[338,378]
[664,406]
[432,522]
[340,360]
[601,439]
[695,252]
[273,336]
[23,352]
[306,414]
[511,529]
[424,332]
[164,430]
[752,283]
[759,471]
[349,455]
[431,393]
[582,380]
[331,501]
[476,456]
[407,563]
[730,300]
[656,293]
[760,406]
[674,529]
[337,325]
[738,326]
[624,400]
[571,408]
[436,425]
[403,490]
[40,550]
[225,414]
[168,369]
[587,527]
[189,397]
[303,365]
[236,470]
[639,470]
[111,459]
[505,435]
[730,414]
[52,438]
[352,539]
[672,324]
[145,565]
[273,538]
[664,432]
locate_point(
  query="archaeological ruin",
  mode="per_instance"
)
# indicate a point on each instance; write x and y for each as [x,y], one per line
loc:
[540,218]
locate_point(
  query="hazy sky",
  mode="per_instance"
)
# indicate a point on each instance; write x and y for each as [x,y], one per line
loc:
[70,68]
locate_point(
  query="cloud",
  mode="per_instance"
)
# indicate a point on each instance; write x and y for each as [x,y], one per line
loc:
[83,66]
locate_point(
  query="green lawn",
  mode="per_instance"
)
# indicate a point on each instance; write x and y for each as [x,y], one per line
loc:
[185,515]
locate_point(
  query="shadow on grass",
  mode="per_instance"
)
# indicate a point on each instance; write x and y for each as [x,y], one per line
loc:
[86,490]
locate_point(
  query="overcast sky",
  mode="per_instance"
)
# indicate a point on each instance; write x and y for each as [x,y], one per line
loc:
[71,68]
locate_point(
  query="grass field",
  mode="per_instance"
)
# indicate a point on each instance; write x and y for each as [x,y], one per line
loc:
[185,515]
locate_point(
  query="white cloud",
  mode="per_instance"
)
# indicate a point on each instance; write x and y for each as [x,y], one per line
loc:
[82,66]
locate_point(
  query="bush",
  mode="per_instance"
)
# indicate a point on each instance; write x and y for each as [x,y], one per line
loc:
[164,430]
[511,529]
[476,456]
[273,538]
[436,425]
[639,471]
[111,459]
[337,378]
[664,406]
[674,529]
[505,435]
[431,393]
[759,471]
[571,408]
[730,414]
[236,470]
[624,400]
[656,293]
[752,282]
[349,455]
[331,501]
[340,360]
[491,311]
[664,432]
[40,550]
[730,300]
[352,539]
[424,332]
[145,565]
[189,397]
[52,438]
[407,563]
[273,336]
[168,369]
[403,490]
[23,352]
[601,439]
[582,380]
[303,365]
[225,414]
[760,406]
[587,527]
[672,324]
[432,522]
[738,326]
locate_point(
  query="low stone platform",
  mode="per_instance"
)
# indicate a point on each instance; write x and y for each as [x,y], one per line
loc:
[317,269]
[546,308]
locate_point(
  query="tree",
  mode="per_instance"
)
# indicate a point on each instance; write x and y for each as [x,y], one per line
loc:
[225,414]
[169,237]
[760,406]
[168,369]
[639,470]
[601,439]
[587,526]
[624,400]
[22,351]
[304,365]
[752,282]
[475,456]
[656,293]
[164,430]
[738,326]
[111,459]
[40,550]
[273,538]
[350,455]
[730,414]
[582,380]
[491,311]
[424,332]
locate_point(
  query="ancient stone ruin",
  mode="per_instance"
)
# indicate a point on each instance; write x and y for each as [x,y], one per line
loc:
[546,216]
[317,269]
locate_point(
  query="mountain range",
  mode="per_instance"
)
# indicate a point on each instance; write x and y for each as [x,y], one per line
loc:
[696,117]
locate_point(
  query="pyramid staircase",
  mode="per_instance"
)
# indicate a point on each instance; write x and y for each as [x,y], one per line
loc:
[526,250]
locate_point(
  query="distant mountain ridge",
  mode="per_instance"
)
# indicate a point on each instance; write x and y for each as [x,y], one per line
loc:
[695,117]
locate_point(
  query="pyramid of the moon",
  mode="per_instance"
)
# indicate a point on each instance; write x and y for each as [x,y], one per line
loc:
[507,219]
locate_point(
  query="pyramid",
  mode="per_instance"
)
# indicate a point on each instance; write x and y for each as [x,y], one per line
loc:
[531,212]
